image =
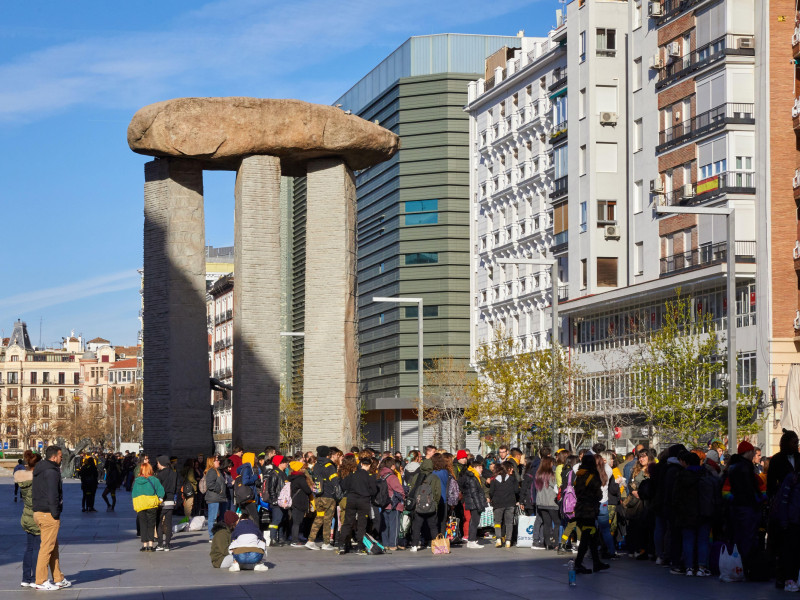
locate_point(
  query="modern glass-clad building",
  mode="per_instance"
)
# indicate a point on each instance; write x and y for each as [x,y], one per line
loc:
[413,223]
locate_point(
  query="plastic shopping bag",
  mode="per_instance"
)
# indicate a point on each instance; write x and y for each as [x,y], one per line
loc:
[730,565]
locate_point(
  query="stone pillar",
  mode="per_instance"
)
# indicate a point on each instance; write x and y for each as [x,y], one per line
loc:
[330,380]
[176,411]
[257,304]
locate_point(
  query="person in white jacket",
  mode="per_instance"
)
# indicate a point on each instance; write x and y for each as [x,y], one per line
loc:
[248,547]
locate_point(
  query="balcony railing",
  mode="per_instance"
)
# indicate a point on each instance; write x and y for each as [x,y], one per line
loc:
[563,293]
[705,55]
[558,79]
[705,123]
[706,256]
[728,182]
[559,130]
[560,186]
[560,242]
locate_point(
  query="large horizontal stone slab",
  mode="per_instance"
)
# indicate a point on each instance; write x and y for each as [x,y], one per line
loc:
[221,131]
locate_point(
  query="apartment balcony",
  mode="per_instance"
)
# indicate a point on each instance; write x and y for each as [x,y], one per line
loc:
[796,41]
[680,67]
[796,115]
[560,243]
[563,293]
[559,132]
[711,188]
[560,186]
[706,123]
[558,79]
[706,256]
[796,184]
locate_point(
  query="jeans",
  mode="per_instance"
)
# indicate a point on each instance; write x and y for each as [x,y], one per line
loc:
[696,535]
[659,537]
[32,543]
[213,512]
[275,525]
[298,516]
[550,524]
[605,529]
[389,528]
[504,523]
[248,558]
[165,526]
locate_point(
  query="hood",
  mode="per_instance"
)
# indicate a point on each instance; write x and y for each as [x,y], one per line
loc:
[218,526]
[385,471]
[427,466]
[23,476]
[44,465]
[412,467]
[249,457]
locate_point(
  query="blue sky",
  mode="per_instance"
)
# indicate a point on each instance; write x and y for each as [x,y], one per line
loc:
[73,73]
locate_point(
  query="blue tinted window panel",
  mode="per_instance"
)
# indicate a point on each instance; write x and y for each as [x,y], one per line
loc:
[422,219]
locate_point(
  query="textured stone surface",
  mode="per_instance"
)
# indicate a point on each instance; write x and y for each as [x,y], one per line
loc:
[256,303]
[177,416]
[221,131]
[330,382]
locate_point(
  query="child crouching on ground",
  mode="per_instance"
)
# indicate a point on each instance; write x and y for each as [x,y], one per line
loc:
[248,547]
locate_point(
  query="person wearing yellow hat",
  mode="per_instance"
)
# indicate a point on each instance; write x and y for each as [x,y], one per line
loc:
[301,499]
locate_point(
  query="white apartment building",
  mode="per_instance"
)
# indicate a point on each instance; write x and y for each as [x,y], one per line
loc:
[219,307]
[661,108]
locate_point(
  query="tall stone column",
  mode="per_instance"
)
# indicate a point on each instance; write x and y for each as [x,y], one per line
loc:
[330,380]
[257,304]
[177,411]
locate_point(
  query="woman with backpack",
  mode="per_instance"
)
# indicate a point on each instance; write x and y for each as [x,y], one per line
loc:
[474,494]
[546,505]
[301,490]
[504,493]
[216,492]
[391,512]
[425,498]
[567,503]
[589,493]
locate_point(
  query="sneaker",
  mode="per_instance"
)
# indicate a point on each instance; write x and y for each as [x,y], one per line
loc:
[234,567]
[159,548]
[64,583]
[791,586]
[561,550]
[601,567]
[166,548]
[362,552]
[508,544]
[47,586]
[210,541]
[659,561]
[535,547]
[261,567]
[327,547]
[689,573]
[498,544]
[311,545]
[702,572]
[298,545]
[677,571]
[475,545]
[581,570]
[414,548]
[25,583]
[341,551]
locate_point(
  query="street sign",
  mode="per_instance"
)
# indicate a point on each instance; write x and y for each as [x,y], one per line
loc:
[5,445]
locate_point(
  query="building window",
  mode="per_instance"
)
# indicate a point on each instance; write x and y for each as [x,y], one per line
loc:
[607,272]
[638,258]
[12,378]
[582,160]
[381,267]
[46,411]
[582,47]
[606,96]
[76,378]
[381,318]
[46,377]
[560,112]
[606,212]
[584,274]
[14,358]
[637,196]
[637,74]
[422,206]
[606,42]
[606,157]
[560,164]
[34,376]
[422,258]
[582,103]
[584,216]
[427,311]
[637,135]
[412,364]
[62,378]
[560,222]
[637,14]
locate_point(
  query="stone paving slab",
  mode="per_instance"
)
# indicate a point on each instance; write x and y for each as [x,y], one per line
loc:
[100,553]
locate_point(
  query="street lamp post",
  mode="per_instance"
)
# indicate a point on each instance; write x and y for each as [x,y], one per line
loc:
[420,363]
[729,215]
[553,264]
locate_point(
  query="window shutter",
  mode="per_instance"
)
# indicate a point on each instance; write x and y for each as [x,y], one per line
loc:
[606,272]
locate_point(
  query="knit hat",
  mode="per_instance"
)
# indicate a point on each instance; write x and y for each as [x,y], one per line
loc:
[461,454]
[296,465]
[744,447]
[230,518]
[278,459]
[323,451]
[163,460]
[713,456]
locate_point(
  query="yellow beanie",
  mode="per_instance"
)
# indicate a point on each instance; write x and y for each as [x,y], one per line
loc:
[296,465]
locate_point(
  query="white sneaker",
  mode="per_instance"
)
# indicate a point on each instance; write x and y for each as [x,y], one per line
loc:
[26,584]
[659,561]
[47,586]
[791,586]
[261,567]
[234,567]
[311,545]
[474,545]
[64,583]
[414,548]
[327,547]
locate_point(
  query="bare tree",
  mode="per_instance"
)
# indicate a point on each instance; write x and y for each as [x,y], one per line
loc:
[448,383]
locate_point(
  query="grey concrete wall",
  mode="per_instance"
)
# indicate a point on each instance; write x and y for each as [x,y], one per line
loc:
[177,414]
[257,304]
[330,383]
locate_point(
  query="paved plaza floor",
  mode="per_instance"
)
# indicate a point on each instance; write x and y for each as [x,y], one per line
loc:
[100,553]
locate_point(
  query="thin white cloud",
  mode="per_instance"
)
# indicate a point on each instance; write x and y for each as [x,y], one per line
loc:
[252,47]
[27,301]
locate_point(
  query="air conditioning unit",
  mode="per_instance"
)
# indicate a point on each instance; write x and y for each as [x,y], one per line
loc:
[674,49]
[796,251]
[656,185]
[796,179]
[746,43]
[612,232]
[688,190]
[656,62]
[654,9]
[608,118]
[797,319]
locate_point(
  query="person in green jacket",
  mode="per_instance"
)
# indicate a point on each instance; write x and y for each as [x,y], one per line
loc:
[221,557]
[146,493]
[24,479]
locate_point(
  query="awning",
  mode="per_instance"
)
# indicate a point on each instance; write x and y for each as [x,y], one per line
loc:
[558,93]
[790,419]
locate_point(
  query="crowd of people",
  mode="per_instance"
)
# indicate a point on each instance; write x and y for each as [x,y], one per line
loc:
[679,508]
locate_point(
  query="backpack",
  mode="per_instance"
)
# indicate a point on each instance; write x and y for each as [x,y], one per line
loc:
[242,494]
[317,481]
[569,499]
[187,491]
[382,497]
[453,492]
[203,485]
[645,489]
[373,546]
[285,497]
[424,500]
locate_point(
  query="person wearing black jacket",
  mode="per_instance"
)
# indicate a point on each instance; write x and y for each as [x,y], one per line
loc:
[301,499]
[169,480]
[88,475]
[782,547]
[359,487]
[113,481]
[589,493]
[275,479]
[327,476]
[504,492]
[474,494]
[47,505]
